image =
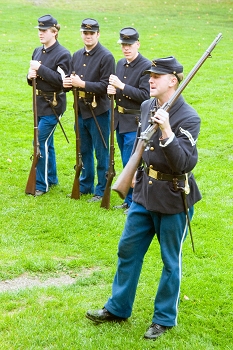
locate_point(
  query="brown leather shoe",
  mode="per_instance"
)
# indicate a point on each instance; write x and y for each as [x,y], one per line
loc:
[103,315]
[155,331]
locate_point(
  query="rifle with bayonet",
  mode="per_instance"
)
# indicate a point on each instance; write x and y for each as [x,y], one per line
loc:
[31,183]
[75,194]
[124,181]
[105,203]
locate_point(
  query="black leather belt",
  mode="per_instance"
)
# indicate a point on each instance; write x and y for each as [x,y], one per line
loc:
[123,110]
[48,93]
[157,175]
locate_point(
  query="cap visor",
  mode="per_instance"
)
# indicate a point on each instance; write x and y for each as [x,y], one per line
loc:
[130,42]
[42,28]
[88,30]
[152,70]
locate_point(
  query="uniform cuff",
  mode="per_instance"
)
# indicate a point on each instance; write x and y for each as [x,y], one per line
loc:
[165,142]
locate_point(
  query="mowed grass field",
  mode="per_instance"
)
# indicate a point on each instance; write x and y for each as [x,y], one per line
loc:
[54,236]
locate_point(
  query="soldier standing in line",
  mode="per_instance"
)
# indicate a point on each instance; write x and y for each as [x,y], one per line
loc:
[131,88]
[49,65]
[92,65]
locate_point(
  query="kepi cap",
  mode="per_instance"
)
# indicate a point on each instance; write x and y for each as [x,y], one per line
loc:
[128,35]
[89,25]
[167,65]
[46,22]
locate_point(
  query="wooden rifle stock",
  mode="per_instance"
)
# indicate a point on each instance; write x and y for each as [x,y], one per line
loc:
[31,183]
[105,203]
[75,194]
[124,181]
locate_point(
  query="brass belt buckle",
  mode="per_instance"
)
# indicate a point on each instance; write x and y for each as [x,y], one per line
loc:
[153,173]
[120,109]
[82,94]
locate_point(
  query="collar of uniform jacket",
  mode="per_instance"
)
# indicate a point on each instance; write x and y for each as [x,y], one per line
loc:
[50,48]
[92,51]
[134,62]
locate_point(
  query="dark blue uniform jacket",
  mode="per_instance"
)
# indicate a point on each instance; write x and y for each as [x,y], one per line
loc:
[178,157]
[94,67]
[48,77]
[136,91]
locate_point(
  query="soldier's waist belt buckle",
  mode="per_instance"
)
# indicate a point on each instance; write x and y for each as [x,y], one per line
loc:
[157,175]
[84,94]
[120,109]
[123,110]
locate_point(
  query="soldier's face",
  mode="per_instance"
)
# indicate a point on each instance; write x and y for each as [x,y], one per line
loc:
[159,84]
[130,51]
[90,39]
[47,37]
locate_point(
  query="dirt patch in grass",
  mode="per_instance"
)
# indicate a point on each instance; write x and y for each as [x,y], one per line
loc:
[26,281]
[23,282]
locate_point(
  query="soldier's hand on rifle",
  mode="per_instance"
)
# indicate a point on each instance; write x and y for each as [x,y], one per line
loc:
[77,81]
[111,90]
[35,65]
[32,74]
[67,82]
[161,117]
[115,81]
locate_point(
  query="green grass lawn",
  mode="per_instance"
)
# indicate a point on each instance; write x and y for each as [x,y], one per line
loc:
[53,235]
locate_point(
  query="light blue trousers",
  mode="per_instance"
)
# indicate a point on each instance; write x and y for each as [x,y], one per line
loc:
[46,170]
[140,228]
